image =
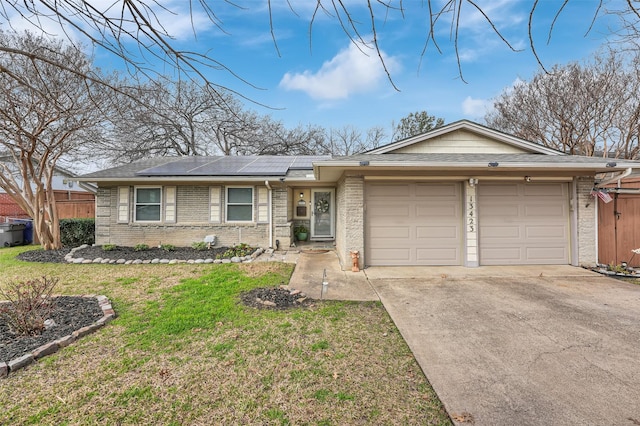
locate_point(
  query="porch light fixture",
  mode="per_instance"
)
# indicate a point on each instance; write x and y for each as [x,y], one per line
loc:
[302,195]
[527,178]
[493,164]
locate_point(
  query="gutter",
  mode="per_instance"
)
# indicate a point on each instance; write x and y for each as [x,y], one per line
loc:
[617,178]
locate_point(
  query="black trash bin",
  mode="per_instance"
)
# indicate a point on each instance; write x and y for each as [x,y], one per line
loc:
[11,234]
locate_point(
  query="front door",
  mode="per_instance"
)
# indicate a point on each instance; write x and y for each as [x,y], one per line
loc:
[322,214]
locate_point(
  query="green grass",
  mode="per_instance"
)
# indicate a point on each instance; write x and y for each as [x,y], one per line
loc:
[184,350]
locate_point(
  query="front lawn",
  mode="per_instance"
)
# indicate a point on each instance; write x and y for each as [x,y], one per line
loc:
[183,350]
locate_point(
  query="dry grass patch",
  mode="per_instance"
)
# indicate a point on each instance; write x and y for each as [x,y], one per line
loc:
[184,351]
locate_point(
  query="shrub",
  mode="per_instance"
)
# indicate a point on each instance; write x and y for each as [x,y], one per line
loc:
[240,250]
[108,247]
[75,232]
[200,246]
[141,247]
[167,247]
[29,304]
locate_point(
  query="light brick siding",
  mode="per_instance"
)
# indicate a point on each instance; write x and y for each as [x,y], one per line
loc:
[587,228]
[280,212]
[350,219]
[192,208]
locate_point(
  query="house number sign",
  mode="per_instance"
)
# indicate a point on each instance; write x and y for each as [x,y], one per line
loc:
[471,214]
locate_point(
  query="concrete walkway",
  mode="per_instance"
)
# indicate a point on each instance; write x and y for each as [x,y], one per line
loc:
[525,345]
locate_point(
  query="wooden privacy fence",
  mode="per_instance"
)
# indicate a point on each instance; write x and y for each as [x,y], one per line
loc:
[619,226]
[70,205]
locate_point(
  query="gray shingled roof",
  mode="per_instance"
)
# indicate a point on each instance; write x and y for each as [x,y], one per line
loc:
[478,159]
[254,166]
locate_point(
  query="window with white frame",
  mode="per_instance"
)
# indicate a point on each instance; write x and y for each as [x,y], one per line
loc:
[239,204]
[148,203]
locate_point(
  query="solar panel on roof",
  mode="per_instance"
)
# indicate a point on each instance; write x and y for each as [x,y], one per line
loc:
[222,166]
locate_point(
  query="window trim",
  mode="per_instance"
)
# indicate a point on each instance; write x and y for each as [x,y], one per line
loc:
[227,204]
[135,203]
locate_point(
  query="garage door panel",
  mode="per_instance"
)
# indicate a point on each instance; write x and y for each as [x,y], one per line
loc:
[395,256]
[546,254]
[499,209]
[431,219]
[545,210]
[431,211]
[545,190]
[529,226]
[441,256]
[440,190]
[546,232]
[381,190]
[437,232]
[387,232]
[385,211]
[500,233]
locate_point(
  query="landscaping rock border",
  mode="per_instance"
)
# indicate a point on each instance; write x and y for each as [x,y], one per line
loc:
[69,258]
[52,347]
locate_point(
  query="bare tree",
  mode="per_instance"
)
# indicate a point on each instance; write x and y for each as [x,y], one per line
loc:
[587,109]
[174,118]
[46,113]
[348,140]
[114,25]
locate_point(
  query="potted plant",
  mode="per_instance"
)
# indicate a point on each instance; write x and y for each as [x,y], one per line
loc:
[301,232]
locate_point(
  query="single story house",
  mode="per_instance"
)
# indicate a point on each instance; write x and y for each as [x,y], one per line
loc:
[461,194]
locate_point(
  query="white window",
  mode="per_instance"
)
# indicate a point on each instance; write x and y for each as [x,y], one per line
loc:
[239,204]
[148,202]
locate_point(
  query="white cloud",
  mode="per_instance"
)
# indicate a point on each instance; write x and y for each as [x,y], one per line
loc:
[352,70]
[475,108]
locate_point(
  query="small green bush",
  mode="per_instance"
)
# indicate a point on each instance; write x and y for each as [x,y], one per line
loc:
[240,250]
[75,232]
[167,247]
[108,247]
[200,246]
[141,247]
[29,304]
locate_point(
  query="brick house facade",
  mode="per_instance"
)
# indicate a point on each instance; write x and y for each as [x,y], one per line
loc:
[462,194]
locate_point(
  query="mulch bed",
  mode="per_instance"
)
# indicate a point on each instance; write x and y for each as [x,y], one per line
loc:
[280,298]
[71,314]
[127,253]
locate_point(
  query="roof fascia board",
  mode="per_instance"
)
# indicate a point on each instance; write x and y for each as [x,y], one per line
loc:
[175,179]
[472,127]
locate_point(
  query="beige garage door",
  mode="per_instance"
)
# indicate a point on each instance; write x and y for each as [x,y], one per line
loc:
[523,224]
[413,223]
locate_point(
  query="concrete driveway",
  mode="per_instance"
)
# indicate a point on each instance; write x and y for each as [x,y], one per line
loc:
[521,345]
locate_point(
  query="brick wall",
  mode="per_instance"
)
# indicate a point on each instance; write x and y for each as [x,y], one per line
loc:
[192,208]
[350,219]
[587,227]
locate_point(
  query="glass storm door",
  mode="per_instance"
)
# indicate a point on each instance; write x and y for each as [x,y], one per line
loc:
[322,214]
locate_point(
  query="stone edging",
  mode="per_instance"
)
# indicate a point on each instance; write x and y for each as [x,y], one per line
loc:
[49,348]
[102,260]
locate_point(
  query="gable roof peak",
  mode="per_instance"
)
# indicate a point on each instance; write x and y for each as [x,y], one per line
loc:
[470,126]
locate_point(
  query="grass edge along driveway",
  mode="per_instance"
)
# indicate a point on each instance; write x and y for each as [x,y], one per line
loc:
[184,351]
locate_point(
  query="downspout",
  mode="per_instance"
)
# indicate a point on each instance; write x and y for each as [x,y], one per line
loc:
[270,212]
[612,179]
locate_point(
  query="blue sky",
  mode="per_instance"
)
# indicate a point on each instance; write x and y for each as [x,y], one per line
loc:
[322,78]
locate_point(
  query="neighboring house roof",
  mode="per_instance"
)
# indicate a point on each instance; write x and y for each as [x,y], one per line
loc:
[219,167]
[469,126]
[63,179]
